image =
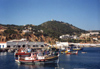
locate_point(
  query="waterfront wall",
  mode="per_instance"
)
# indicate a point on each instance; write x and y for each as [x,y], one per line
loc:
[25,44]
[19,44]
[86,44]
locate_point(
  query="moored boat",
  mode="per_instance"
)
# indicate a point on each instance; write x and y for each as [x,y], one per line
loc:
[38,56]
[52,59]
[77,48]
[62,51]
[37,59]
[68,51]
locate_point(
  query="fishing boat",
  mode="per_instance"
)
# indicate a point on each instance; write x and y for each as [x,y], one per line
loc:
[62,51]
[17,53]
[68,51]
[34,58]
[72,52]
[77,48]
[38,56]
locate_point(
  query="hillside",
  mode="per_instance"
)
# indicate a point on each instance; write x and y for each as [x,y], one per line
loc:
[51,30]
[94,31]
[60,28]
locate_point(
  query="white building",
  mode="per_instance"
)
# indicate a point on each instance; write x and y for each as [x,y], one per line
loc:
[26,31]
[64,36]
[69,37]
[40,31]
[85,35]
[25,44]
[62,44]
[94,33]
[95,38]
[3,45]
[88,34]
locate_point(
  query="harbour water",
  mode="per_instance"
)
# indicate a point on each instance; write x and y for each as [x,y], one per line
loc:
[88,60]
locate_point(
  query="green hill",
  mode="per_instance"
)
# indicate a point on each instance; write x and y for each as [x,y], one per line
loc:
[57,28]
[52,29]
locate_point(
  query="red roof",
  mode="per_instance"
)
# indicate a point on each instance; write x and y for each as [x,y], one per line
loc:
[2,42]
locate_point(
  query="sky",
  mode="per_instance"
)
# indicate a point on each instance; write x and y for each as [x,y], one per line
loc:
[84,14]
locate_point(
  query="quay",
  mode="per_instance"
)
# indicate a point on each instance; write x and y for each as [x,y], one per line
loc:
[12,45]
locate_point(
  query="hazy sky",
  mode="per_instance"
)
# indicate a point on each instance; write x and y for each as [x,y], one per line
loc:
[84,14]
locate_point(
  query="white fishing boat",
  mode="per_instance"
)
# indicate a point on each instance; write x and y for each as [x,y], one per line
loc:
[38,59]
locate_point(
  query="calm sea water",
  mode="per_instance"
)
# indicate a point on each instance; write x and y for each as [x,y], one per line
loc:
[89,60]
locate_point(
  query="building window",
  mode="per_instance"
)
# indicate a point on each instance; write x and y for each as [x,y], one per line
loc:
[23,45]
[28,45]
[42,46]
[8,46]
[3,46]
[18,46]
[33,45]
[36,45]
[14,46]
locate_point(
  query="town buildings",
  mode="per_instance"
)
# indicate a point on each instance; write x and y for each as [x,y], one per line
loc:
[89,34]
[26,31]
[62,44]
[93,36]
[20,43]
[3,45]
[67,36]
[24,44]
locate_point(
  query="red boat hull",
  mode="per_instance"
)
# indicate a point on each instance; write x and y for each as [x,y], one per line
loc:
[52,60]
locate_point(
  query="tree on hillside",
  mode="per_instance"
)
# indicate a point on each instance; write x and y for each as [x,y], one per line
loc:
[9,31]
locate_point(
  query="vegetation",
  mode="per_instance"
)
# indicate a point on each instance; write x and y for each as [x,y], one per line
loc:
[56,28]
[52,29]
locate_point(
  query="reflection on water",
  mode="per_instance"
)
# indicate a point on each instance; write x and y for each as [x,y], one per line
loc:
[40,66]
[3,53]
[68,57]
[89,60]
